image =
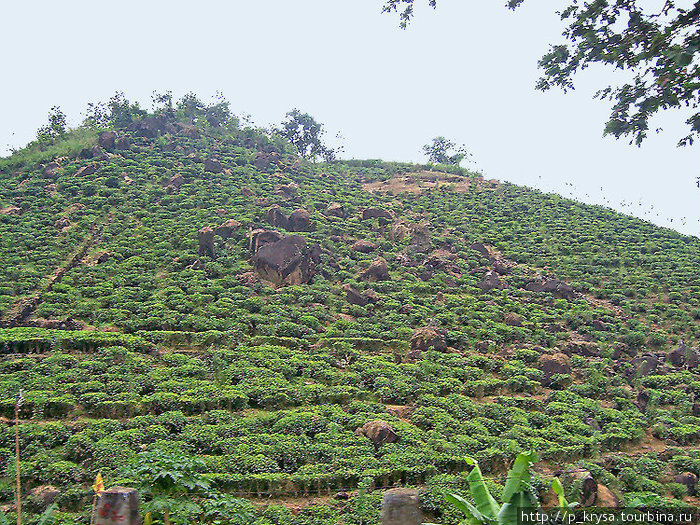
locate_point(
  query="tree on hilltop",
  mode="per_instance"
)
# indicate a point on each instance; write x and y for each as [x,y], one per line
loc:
[444,151]
[306,135]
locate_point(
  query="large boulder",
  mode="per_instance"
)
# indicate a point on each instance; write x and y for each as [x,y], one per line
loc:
[52,169]
[285,262]
[490,281]
[378,432]
[149,127]
[420,238]
[107,139]
[205,236]
[260,237]
[688,479]
[336,210]
[277,218]
[558,288]
[43,495]
[96,153]
[354,296]
[645,365]
[483,250]
[426,337]
[551,365]
[376,213]
[377,271]
[588,487]
[87,170]
[363,246]
[175,182]
[123,143]
[683,357]
[300,221]
[226,229]
[606,498]
[213,165]
[582,348]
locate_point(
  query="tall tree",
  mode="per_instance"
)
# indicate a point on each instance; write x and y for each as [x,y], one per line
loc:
[661,48]
[444,151]
[306,135]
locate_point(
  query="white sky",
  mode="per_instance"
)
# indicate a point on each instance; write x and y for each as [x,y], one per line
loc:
[466,71]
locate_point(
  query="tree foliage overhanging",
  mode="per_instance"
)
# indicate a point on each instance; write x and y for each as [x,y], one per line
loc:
[658,47]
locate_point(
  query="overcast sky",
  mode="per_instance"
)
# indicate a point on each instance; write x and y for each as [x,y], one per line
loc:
[466,71]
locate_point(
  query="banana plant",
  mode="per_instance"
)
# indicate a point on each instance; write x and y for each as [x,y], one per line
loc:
[517,493]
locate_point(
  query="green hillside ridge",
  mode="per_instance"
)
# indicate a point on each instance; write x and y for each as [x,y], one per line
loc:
[317,332]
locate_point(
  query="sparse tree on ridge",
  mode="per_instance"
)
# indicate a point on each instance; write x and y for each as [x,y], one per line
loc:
[661,47]
[444,151]
[306,135]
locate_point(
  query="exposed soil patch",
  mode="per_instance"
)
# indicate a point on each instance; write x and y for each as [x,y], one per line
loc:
[421,181]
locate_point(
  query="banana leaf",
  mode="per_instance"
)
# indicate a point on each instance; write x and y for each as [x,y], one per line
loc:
[509,511]
[518,474]
[485,503]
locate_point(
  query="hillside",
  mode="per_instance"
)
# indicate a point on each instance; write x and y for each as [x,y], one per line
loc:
[314,333]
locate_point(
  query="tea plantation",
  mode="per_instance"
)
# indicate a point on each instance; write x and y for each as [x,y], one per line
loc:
[296,337]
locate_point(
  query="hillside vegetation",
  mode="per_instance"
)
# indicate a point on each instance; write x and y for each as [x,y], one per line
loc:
[308,334]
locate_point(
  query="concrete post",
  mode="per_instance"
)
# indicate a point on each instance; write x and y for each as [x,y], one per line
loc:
[118,506]
[401,507]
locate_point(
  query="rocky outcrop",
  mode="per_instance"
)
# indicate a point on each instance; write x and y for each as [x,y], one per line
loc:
[378,432]
[107,140]
[354,296]
[490,281]
[149,127]
[644,365]
[377,271]
[336,210]
[551,365]
[363,246]
[558,288]
[377,213]
[43,496]
[52,169]
[428,337]
[265,161]
[213,165]
[285,262]
[90,169]
[606,498]
[260,237]
[95,153]
[123,143]
[205,236]
[588,490]
[175,182]
[483,250]
[300,221]
[688,479]
[226,229]
[582,348]
[277,218]
[683,357]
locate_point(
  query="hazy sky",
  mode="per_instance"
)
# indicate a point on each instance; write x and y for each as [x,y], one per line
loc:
[466,71]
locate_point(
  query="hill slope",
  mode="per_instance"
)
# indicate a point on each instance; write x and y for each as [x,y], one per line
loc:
[162,293]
